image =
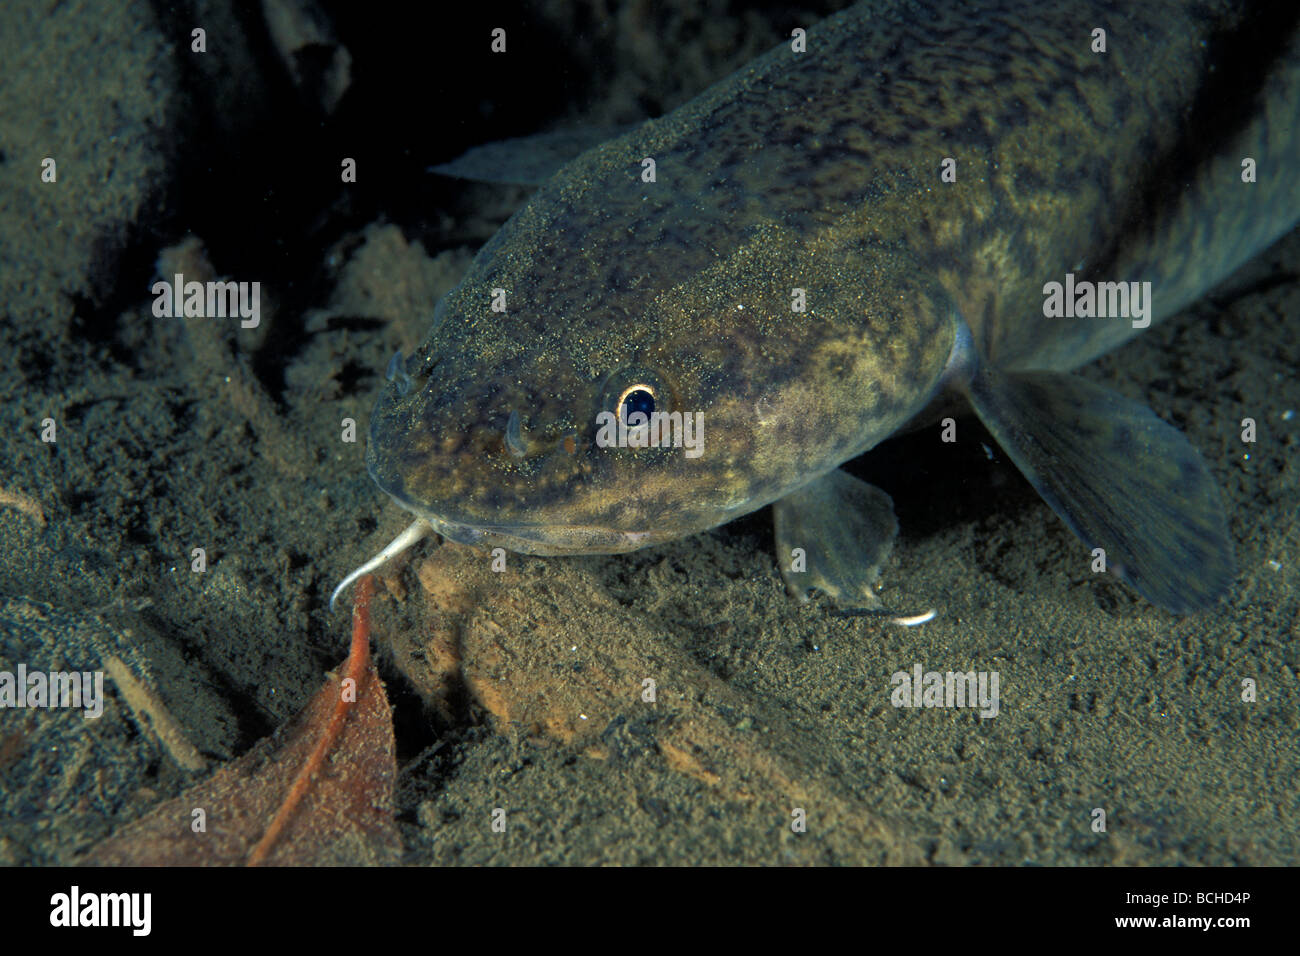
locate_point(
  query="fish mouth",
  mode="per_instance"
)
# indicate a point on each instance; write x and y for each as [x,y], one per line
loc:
[545,540]
[542,540]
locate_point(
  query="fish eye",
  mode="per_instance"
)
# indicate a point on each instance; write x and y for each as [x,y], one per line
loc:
[636,398]
[636,388]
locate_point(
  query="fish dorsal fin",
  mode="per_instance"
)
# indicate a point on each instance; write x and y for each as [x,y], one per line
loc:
[1123,480]
[527,160]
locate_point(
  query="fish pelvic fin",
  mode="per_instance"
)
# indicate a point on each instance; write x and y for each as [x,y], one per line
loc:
[833,535]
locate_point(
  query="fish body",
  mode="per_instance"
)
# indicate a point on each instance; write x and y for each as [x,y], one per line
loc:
[815,253]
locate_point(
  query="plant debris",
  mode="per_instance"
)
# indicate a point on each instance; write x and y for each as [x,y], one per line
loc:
[318,791]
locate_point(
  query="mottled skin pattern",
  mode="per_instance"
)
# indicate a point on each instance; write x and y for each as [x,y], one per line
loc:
[821,171]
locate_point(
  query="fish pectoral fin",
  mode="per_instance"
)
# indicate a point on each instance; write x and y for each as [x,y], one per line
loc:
[1120,478]
[833,534]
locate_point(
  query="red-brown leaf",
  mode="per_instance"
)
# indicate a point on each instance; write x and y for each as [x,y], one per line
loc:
[318,791]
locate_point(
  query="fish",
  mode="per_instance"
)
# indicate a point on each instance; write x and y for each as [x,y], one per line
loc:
[868,226]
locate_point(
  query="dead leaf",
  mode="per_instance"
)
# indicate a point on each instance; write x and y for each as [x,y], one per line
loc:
[318,791]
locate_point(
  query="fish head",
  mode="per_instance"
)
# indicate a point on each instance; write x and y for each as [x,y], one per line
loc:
[516,424]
